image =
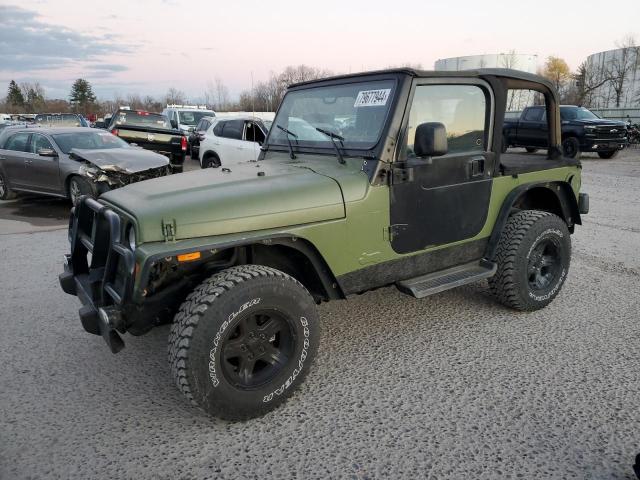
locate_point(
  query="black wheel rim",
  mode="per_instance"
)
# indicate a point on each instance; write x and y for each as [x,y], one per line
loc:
[569,148]
[257,349]
[544,266]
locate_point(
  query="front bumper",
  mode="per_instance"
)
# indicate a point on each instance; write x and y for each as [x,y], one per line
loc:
[603,145]
[99,270]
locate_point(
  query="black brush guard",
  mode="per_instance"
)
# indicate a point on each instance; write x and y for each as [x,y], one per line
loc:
[99,270]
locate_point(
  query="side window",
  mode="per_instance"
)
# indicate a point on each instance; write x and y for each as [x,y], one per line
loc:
[253,133]
[38,142]
[218,129]
[17,142]
[233,129]
[533,114]
[461,108]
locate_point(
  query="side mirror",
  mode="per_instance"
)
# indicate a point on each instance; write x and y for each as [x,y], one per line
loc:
[174,124]
[47,152]
[430,140]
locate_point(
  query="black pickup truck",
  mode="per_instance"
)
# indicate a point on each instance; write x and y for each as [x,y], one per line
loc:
[151,131]
[582,131]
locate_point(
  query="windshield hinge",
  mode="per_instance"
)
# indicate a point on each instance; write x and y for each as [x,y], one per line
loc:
[169,230]
[401,175]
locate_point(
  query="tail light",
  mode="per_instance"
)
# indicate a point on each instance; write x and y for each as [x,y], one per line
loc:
[183,144]
[115,132]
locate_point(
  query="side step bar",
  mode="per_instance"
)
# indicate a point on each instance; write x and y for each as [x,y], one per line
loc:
[437,282]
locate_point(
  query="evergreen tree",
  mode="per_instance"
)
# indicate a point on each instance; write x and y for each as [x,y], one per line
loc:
[14,95]
[81,95]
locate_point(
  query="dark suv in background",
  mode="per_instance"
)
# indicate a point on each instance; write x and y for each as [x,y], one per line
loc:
[582,131]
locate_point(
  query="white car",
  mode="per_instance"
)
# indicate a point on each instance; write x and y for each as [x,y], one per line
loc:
[230,140]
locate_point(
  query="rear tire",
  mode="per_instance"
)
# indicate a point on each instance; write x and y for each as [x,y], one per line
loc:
[78,187]
[571,148]
[533,259]
[243,340]
[211,160]
[531,149]
[608,155]
[5,192]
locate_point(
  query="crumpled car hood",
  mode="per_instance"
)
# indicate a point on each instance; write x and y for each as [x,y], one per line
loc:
[216,201]
[127,160]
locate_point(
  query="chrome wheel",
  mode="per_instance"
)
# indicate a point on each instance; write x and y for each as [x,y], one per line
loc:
[74,192]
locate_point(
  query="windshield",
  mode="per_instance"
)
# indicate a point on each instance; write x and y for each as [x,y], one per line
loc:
[355,111]
[193,117]
[577,113]
[63,120]
[142,119]
[88,141]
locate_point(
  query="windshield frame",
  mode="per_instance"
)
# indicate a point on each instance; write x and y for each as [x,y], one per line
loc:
[347,150]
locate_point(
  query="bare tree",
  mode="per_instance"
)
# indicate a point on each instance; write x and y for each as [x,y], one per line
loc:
[509,60]
[222,94]
[624,61]
[175,97]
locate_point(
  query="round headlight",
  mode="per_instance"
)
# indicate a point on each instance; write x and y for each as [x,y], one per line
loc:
[131,237]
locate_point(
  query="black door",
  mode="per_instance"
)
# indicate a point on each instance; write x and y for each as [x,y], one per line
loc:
[443,199]
[532,128]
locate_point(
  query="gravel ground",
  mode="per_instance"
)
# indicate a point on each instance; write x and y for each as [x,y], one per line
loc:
[452,386]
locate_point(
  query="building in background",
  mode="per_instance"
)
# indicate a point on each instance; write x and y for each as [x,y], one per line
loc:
[516,99]
[516,61]
[611,79]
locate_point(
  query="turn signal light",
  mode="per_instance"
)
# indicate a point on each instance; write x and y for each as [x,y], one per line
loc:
[189,257]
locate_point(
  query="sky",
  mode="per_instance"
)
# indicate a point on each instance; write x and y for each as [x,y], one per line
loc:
[149,46]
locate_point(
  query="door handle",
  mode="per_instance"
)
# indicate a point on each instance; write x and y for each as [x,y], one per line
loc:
[28,162]
[476,167]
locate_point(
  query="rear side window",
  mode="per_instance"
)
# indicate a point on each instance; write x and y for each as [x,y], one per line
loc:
[17,142]
[218,129]
[233,129]
[533,114]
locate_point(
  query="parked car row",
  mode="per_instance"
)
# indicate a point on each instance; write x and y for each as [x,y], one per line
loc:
[71,162]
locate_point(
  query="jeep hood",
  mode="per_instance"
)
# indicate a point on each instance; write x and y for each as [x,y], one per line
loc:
[127,160]
[216,201]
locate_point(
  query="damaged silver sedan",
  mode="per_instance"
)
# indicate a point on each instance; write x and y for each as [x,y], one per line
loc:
[71,162]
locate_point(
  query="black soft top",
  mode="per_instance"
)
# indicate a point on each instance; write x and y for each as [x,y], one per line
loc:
[478,73]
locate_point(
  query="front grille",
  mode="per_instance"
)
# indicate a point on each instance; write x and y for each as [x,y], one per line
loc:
[610,133]
[98,253]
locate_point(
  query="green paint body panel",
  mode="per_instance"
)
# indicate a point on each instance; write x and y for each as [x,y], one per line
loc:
[332,206]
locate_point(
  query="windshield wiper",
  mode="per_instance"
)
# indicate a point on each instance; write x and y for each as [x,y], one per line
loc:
[334,136]
[289,132]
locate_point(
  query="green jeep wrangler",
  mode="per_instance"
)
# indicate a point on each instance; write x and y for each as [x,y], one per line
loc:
[393,177]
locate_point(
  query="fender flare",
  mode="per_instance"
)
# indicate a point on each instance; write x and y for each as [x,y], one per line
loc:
[302,245]
[562,191]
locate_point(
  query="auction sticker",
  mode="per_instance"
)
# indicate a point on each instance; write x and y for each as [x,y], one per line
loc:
[372,98]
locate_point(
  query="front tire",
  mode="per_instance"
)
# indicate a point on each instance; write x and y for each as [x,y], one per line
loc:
[243,340]
[5,192]
[533,259]
[608,155]
[78,187]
